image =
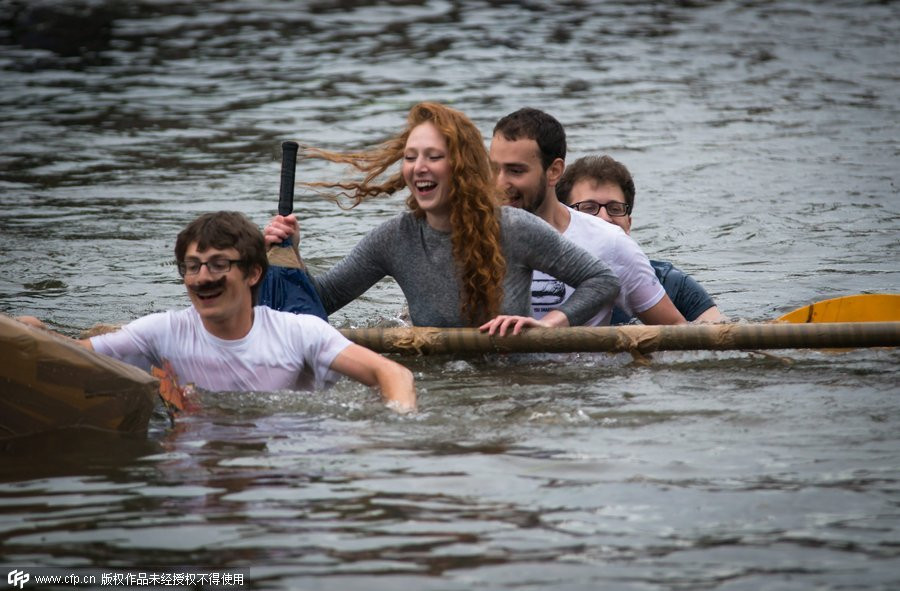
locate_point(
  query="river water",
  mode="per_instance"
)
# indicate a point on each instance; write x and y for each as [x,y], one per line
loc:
[764,141]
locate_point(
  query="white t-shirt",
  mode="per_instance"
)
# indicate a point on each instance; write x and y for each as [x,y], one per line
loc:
[640,288]
[282,351]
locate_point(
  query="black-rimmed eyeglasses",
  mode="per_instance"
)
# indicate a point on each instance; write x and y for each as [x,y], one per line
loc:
[615,209]
[215,266]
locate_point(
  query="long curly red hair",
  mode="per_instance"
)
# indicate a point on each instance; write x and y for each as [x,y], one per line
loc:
[473,195]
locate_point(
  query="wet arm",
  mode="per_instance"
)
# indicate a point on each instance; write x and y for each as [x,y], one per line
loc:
[355,273]
[662,312]
[393,380]
[711,316]
[37,323]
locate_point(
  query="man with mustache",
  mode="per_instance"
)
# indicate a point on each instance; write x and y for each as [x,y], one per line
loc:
[225,342]
[528,150]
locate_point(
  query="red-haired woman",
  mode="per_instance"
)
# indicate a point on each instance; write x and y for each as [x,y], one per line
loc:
[460,258]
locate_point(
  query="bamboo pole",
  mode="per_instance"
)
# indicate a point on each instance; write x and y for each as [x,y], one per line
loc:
[48,381]
[639,338]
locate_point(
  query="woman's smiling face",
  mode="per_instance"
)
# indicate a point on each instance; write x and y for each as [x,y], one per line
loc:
[426,170]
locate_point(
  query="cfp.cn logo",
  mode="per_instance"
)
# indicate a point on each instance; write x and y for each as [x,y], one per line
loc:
[17,578]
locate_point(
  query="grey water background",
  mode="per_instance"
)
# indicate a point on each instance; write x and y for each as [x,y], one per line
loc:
[763,137]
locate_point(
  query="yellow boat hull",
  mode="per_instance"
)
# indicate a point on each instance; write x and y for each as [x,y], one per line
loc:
[854,308]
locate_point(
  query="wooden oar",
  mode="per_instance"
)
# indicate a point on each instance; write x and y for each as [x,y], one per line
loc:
[632,338]
[853,308]
[286,285]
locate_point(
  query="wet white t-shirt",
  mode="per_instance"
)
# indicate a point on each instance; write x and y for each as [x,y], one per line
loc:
[640,288]
[282,351]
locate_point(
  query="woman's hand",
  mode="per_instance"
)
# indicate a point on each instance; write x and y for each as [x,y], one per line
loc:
[502,323]
[281,228]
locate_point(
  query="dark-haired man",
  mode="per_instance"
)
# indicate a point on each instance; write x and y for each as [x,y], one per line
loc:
[603,187]
[528,149]
[224,342]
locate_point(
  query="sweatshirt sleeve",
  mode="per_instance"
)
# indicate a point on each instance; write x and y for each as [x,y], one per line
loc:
[595,284]
[358,271]
[136,342]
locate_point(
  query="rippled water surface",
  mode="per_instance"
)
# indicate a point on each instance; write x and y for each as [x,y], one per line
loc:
[763,137]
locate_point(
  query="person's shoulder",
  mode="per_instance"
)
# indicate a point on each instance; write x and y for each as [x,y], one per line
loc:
[401,222]
[606,236]
[149,326]
[189,312]
[403,218]
[304,330]
[272,316]
[676,281]
[515,217]
[584,219]
[299,324]
[670,275]
[598,227]
[665,269]
[186,315]
[301,335]
[508,213]
[521,229]
[386,232]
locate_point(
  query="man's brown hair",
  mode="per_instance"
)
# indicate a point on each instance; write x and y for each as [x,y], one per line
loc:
[227,229]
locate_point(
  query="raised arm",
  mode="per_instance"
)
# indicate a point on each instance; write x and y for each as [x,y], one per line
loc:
[395,381]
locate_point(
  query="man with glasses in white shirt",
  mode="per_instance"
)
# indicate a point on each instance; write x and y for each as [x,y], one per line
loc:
[225,342]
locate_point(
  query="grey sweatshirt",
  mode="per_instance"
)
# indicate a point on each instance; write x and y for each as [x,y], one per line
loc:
[420,259]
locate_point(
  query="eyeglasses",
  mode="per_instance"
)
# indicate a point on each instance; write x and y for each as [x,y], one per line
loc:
[215,266]
[615,209]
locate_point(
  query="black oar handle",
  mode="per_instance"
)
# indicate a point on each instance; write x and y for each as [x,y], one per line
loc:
[288,167]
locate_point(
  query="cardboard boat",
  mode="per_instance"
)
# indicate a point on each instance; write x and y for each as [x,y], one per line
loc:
[49,382]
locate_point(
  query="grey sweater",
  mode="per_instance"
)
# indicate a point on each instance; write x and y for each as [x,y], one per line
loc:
[420,260]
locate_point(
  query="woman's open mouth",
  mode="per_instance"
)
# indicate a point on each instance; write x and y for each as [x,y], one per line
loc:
[425,187]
